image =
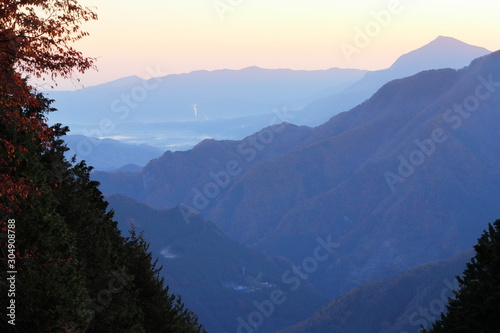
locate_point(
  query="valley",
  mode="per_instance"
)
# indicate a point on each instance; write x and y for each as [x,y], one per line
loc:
[249,166]
[430,138]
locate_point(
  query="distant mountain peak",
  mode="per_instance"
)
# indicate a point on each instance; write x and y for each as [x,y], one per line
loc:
[117,84]
[442,52]
[446,38]
[446,41]
[253,68]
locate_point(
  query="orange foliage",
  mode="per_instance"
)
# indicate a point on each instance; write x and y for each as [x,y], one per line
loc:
[37,35]
[35,39]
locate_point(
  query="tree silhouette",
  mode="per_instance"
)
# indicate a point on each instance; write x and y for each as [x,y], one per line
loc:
[476,306]
[35,39]
[36,36]
[75,272]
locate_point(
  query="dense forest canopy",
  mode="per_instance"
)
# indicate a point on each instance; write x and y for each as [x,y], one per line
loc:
[64,265]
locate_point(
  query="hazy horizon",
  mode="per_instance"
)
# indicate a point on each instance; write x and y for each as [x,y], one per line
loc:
[155,38]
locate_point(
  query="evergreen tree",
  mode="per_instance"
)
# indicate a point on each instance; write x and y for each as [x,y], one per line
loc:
[44,250]
[112,301]
[476,306]
[164,312]
[74,272]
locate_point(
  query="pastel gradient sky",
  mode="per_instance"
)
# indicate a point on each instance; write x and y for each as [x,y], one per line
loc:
[134,37]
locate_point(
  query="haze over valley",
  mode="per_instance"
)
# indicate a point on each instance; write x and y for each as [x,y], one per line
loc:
[249,166]
[280,189]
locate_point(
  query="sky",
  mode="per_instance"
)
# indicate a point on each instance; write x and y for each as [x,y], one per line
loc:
[150,38]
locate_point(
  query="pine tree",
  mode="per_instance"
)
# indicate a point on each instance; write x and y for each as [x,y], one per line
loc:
[75,272]
[163,311]
[44,249]
[112,301]
[476,306]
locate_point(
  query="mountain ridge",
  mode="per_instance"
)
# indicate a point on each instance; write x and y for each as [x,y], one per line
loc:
[442,52]
[286,198]
[417,297]
[218,278]
[217,94]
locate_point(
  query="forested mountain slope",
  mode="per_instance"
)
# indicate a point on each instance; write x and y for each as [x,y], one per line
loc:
[398,181]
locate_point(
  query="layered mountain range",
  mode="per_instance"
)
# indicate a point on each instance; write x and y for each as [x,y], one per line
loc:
[110,155]
[229,286]
[233,288]
[443,52]
[175,112]
[398,304]
[199,95]
[405,178]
